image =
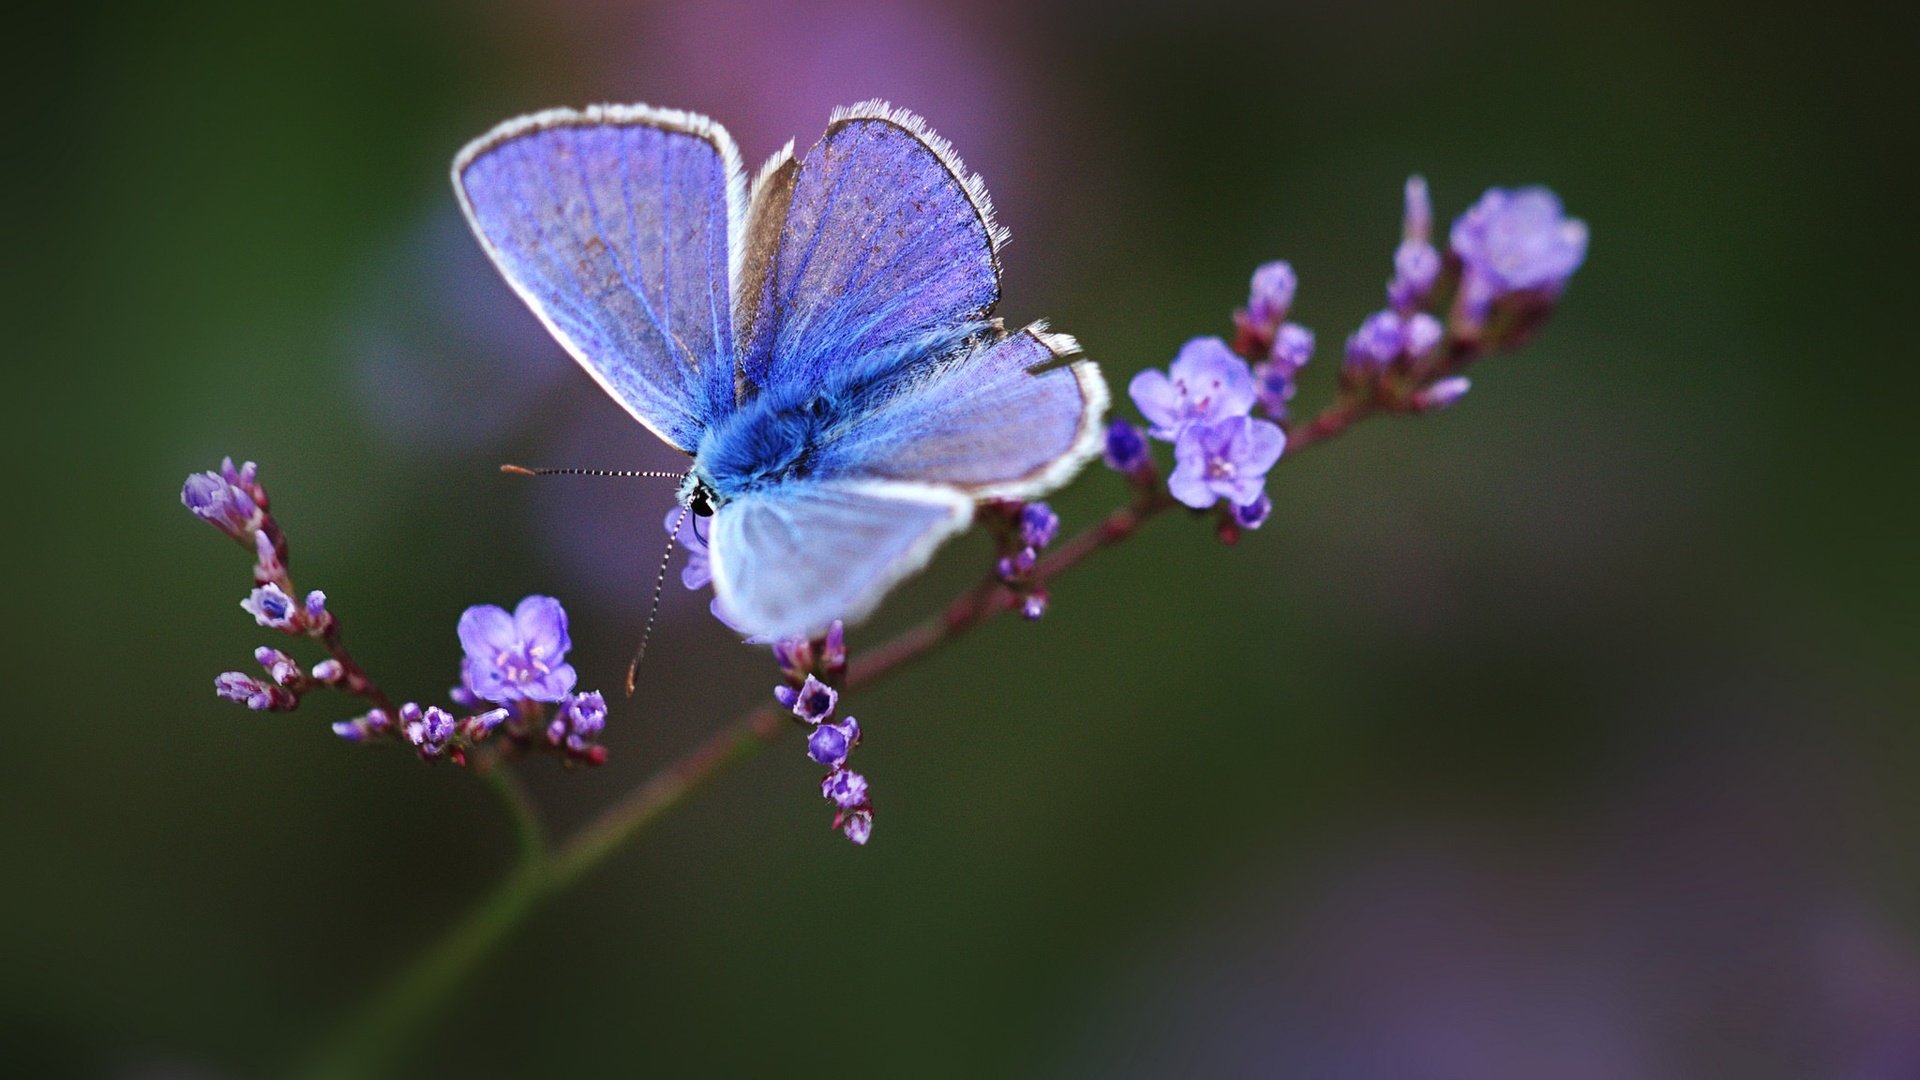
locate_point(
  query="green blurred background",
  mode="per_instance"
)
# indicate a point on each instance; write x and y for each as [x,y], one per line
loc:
[1568,734]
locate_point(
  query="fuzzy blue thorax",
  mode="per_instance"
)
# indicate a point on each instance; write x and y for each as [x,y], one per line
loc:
[775,436]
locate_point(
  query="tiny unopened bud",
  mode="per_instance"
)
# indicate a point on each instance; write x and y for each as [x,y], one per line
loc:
[1442,395]
[1033,605]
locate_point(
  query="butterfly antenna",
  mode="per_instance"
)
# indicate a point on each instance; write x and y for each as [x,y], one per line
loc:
[648,474]
[653,611]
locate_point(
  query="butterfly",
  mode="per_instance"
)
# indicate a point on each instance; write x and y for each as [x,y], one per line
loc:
[821,341]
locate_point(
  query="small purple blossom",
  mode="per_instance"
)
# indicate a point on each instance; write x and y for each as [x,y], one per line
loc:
[1270,296]
[813,702]
[577,725]
[1038,525]
[361,728]
[482,724]
[829,744]
[282,668]
[1204,384]
[316,607]
[833,649]
[844,788]
[1443,394]
[858,825]
[329,671]
[1254,514]
[1012,568]
[1512,241]
[1033,605]
[1292,348]
[1421,333]
[429,729]
[1274,385]
[518,656]
[1228,459]
[1377,343]
[1126,447]
[224,500]
[271,607]
[244,689]
[268,564]
[691,534]
[1416,266]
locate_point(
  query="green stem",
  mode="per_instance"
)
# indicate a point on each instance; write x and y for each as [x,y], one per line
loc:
[373,1038]
[527,831]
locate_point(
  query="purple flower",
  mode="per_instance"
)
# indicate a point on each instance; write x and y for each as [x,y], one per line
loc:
[1273,383]
[1038,525]
[244,689]
[361,728]
[1228,459]
[518,656]
[1254,514]
[283,668]
[1442,394]
[578,722]
[1416,266]
[1270,296]
[1012,568]
[1515,241]
[316,607]
[844,788]
[858,825]
[223,500]
[483,724]
[833,648]
[1033,605]
[1204,384]
[271,607]
[1126,449]
[813,702]
[692,535]
[329,671]
[1292,348]
[1421,333]
[429,730]
[1377,343]
[829,744]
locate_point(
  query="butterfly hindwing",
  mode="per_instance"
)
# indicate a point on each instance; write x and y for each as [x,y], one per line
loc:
[1008,419]
[886,237]
[794,557]
[618,226]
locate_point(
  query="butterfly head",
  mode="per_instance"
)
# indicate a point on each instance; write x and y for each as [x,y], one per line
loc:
[697,494]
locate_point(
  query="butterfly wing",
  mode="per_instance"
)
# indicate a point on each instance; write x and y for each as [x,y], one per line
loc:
[618,225]
[792,558]
[1009,419]
[883,236]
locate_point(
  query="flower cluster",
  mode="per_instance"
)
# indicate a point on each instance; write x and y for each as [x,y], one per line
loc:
[1203,404]
[513,671]
[1022,530]
[1508,260]
[811,669]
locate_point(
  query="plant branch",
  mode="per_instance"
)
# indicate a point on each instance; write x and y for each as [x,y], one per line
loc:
[370,1040]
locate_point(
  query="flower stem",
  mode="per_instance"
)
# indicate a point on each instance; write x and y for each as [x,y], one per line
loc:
[372,1038]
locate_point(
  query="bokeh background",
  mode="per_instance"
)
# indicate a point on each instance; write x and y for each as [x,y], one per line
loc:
[1571,733]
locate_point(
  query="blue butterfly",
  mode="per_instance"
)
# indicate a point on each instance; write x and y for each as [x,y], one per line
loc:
[821,342]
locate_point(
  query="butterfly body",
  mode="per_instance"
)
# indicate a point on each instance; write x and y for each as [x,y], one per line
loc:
[822,344]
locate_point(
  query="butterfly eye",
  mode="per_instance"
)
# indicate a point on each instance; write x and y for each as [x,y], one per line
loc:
[699,505]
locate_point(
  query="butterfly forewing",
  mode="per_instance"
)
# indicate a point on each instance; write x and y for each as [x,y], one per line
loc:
[616,225]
